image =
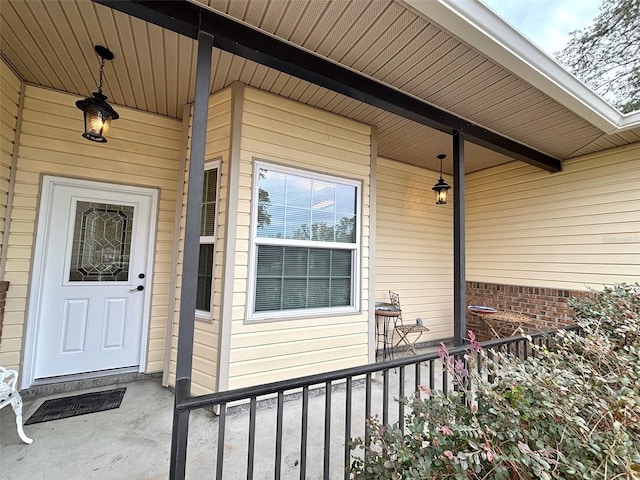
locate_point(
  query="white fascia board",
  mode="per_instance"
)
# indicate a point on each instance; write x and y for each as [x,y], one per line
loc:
[478,26]
[630,120]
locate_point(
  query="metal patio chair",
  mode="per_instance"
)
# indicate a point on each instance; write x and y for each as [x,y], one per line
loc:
[9,395]
[408,333]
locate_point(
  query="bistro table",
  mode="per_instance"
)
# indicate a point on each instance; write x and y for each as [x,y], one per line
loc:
[384,313]
[494,319]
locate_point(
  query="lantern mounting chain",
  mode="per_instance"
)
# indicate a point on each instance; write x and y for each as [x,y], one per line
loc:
[105,54]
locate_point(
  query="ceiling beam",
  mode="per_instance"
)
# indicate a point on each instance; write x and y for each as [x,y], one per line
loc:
[240,39]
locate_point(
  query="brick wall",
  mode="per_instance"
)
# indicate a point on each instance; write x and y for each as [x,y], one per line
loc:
[545,308]
[4,286]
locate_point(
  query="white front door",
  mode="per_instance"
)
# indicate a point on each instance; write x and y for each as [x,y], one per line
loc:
[93,277]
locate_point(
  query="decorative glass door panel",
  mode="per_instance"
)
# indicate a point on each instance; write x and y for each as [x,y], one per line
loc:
[101,242]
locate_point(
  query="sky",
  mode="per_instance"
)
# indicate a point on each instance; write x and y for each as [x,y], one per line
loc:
[546,23]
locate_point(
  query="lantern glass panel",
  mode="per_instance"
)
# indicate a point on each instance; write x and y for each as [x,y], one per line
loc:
[96,124]
[441,196]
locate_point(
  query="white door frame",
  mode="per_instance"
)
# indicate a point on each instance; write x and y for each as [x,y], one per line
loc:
[37,280]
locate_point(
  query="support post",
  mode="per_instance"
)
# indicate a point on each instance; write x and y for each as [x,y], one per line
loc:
[190,260]
[459,277]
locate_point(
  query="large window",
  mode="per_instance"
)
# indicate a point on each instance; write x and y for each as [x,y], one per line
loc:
[207,238]
[305,242]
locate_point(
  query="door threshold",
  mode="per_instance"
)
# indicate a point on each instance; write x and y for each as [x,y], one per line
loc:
[71,383]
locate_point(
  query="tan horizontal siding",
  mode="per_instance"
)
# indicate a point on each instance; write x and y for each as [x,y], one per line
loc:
[9,100]
[285,132]
[571,229]
[414,239]
[206,342]
[52,144]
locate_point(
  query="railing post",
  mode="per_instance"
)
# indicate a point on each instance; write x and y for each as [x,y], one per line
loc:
[347,426]
[303,432]
[327,431]
[401,398]
[222,418]
[179,444]
[279,435]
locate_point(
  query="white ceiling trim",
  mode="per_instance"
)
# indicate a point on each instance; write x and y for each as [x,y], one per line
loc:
[478,26]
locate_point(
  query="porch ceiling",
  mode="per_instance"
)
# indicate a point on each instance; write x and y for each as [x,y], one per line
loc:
[50,43]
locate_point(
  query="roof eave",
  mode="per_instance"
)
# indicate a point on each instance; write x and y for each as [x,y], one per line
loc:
[476,24]
[241,39]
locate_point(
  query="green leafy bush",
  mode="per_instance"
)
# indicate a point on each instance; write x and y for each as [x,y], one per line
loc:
[570,411]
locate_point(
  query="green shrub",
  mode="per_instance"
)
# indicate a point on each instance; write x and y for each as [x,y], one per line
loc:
[571,411]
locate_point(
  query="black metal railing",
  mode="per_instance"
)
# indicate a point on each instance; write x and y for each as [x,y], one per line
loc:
[350,395]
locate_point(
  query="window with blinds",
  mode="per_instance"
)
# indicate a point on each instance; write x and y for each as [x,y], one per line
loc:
[208,214]
[305,242]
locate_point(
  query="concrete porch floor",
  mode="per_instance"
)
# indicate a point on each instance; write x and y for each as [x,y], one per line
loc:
[133,441]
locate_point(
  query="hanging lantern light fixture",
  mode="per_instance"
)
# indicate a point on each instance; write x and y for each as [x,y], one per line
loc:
[97,112]
[441,187]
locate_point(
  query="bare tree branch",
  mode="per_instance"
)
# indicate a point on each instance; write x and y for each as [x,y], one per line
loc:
[606,54]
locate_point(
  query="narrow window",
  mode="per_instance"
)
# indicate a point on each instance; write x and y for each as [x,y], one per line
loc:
[208,215]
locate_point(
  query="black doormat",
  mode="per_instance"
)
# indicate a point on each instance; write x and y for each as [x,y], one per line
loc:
[65,407]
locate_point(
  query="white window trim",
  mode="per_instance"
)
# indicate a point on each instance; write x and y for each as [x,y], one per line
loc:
[356,247]
[211,239]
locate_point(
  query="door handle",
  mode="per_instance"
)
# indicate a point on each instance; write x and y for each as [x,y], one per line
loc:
[139,288]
